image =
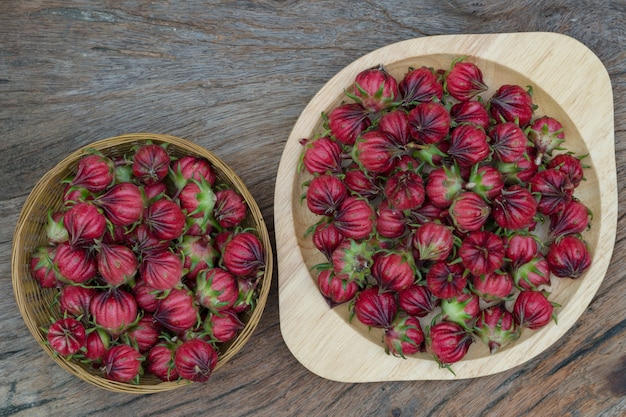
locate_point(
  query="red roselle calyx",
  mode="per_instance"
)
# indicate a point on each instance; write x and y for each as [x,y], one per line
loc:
[469,211]
[84,224]
[404,336]
[496,327]
[568,257]
[122,204]
[393,270]
[151,163]
[121,363]
[532,309]
[347,122]
[448,342]
[429,122]
[324,194]
[114,310]
[482,252]
[433,241]
[375,89]
[94,173]
[464,81]
[417,300]
[374,307]
[336,288]
[511,103]
[322,156]
[244,255]
[420,85]
[195,360]
[66,336]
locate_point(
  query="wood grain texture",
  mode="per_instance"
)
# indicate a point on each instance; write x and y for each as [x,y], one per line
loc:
[233,76]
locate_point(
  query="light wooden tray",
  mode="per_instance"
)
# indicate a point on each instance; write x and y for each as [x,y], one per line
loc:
[569,83]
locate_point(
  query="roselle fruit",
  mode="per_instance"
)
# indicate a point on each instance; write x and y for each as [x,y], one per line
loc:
[433,241]
[121,363]
[496,327]
[74,300]
[177,311]
[145,334]
[94,172]
[546,133]
[84,224]
[486,181]
[511,103]
[443,184]
[404,336]
[515,208]
[554,189]
[244,255]
[322,156]
[160,362]
[420,85]
[55,228]
[492,286]
[147,298]
[216,289]
[393,270]
[114,310]
[508,141]
[41,266]
[429,122]
[66,336]
[375,89]
[468,145]
[445,279]
[195,360]
[532,309]
[151,163]
[568,257]
[336,288]
[117,264]
[355,218]
[532,274]
[165,219]
[122,204]
[390,222]
[464,81]
[361,183]
[354,259]
[404,190]
[162,270]
[375,307]
[469,211]
[470,112]
[520,248]
[462,309]
[376,151]
[417,300]
[570,164]
[96,345]
[346,122]
[74,265]
[482,252]
[396,124]
[326,237]
[223,326]
[188,168]
[448,342]
[324,194]
[573,219]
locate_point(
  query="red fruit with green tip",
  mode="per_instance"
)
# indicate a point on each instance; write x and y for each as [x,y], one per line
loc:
[122,204]
[354,259]
[482,252]
[445,279]
[546,133]
[114,310]
[94,173]
[496,327]
[151,163]
[464,81]
[443,184]
[404,336]
[161,271]
[324,194]
[147,297]
[84,224]
[195,360]
[554,189]
[390,222]
[508,142]
[404,190]
[532,274]
[223,326]
[188,168]
[117,264]
[230,208]
[569,257]
[469,112]
[75,300]
[364,184]
[347,122]
[216,289]
[569,164]
[66,336]
[376,151]
[41,266]
[96,345]
[144,334]
[417,300]
[197,199]
[396,124]
[433,241]
[374,307]
[429,122]
[198,253]
[55,228]
[573,219]
[532,309]
[355,218]
[493,286]
[486,181]
[469,212]
[322,156]
[336,288]
[463,309]
[468,145]
[121,363]
[393,271]
[521,248]
[177,311]
[165,219]
[511,103]
[326,238]
[420,85]
[448,342]
[160,362]
[375,89]
[515,208]
[243,255]
[144,243]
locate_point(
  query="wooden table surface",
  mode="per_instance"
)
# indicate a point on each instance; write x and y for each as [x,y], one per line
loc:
[233,76]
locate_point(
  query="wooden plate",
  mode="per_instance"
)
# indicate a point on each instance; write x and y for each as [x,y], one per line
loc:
[569,83]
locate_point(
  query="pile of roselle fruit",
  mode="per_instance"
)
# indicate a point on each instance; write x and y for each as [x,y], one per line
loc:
[443,216]
[153,266]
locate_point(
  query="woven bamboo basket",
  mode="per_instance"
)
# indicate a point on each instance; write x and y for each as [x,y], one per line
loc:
[35,303]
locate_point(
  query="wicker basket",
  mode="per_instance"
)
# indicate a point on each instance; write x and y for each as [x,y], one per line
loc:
[34,302]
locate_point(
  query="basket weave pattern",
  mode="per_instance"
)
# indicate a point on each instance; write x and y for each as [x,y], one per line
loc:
[35,302]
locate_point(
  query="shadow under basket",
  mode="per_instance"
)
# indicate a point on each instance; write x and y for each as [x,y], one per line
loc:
[35,302]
